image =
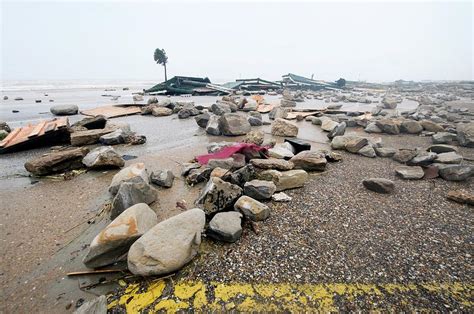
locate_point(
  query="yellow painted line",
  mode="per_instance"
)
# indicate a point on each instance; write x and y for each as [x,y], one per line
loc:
[170,296]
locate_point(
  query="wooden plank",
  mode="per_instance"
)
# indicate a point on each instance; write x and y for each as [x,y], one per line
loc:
[62,122]
[51,126]
[37,129]
[265,108]
[112,111]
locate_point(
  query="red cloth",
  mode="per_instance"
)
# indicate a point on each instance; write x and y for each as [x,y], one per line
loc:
[228,151]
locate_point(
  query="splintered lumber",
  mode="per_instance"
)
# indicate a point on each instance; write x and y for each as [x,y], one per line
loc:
[45,133]
[112,111]
[265,108]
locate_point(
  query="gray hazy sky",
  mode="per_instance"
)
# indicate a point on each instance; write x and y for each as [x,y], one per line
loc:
[355,40]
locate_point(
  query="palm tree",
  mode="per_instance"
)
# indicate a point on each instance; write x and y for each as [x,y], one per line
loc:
[161,58]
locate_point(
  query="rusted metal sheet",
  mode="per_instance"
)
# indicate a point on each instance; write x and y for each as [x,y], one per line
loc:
[112,111]
[30,136]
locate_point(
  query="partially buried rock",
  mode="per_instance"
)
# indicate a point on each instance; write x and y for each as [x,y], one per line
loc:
[131,193]
[285,180]
[57,161]
[133,172]
[367,151]
[233,124]
[456,172]
[405,155]
[64,110]
[161,111]
[379,185]
[95,306]
[281,197]
[169,245]
[282,127]
[162,178]
[272,163]
[431,126]
[310,160]
[218,195]
[461,197]
[226,226]
[252,209]
[112,243]
[259,189]
[410,173]
[103,157]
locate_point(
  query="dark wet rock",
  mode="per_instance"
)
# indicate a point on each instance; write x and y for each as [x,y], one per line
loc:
[218,195]
[379,185]
[385,151]
[202,119]
[456,172]
[55,162]
[113,242]
[310,160]
[226,226]
[254,121]
[252,209]
[169,245]
[410,173]
[233,124]
[199,175]
[465,134]
[281,127]
[259,189]
[103,157]
[411,127]
[132,192]
[64,110]
[272,163]
[405,155]
[163,178]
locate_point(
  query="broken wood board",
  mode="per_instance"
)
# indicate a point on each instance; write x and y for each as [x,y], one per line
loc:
[265,108]
[47,132]
[112,111]
[293,115]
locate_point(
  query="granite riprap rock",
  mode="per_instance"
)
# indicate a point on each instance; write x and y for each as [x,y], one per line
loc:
[254,137]
[114,138]
[220,108]
[328,124]
[88,137]
[372,128]
[443,138]
[132,192]
[465,134]
[449,158]
[212,126]
[339,130]
[404,155]
[162,178]
[456,172]
[64,110]
[379,185]
[355,145]
[281,127]
[233,124]
[410,173]
[103,157]
[367,151]
[422,159]
[278,113]
[252,209]
[285,180]
[169,245]
[411,127]
[272,163]
[55,162]
[202,119]
[259,189]
[135,172]
[112,243]
[198,175]
[281,151]
[388,126]
[161,111]
[241,176]
[226,226]
[254,121]
[310,160]
[218,195]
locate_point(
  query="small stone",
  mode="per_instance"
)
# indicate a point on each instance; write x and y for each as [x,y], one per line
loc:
[367,151]
[259,189]
[379,185]
[212,126]
[131,193]
[64,110]
[281,197]
[162,178]
[252,209]
[328,125]
[161,111]
[254,137]
[385,151]
[202,119]
[103,157]
[285,180]
[440,148]
[405,155]
[410,173]
[411,127]
[356,144]
[431,126]
[226,226]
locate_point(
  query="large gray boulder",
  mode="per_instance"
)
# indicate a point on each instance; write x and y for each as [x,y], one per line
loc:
[465,134]
[103,157]
[310,160]
[388,126]
[379,185]
[202,119]
[233,124]
[169,245]
[356,144]
[281,127]
[218,195]
[422,159]
[339,130]
[112,243]
[252,209]
[226,226]
[411,127]
[64,110]
[132,172]
[131,193]
[259,189]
